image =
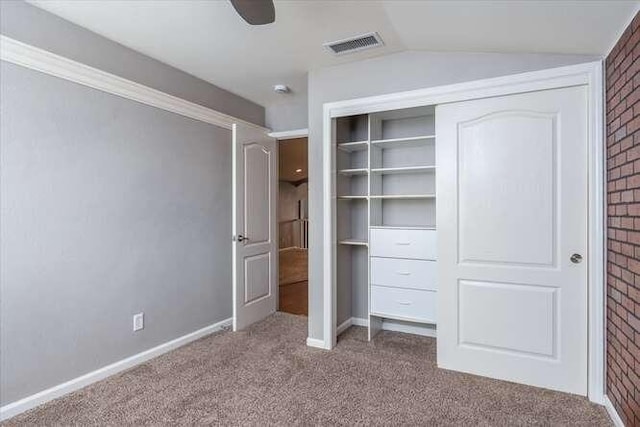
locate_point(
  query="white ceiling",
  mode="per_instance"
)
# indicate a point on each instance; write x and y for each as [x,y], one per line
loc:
[208,39]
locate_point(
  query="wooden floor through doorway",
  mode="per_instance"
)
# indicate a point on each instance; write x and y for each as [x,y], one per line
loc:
[294,287]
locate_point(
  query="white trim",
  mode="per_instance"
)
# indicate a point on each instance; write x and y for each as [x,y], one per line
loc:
[29,402]
[390,325]
[312,342]
[424,330]
[596,236]
[589,74]
[613,414]
[46,62]
[290,134]
[359,321]
[344,326]
[571,75]
[329,293]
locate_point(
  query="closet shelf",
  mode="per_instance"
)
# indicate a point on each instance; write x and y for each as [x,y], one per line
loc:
[355,171]
[405,227]
[403,196]
[413,141]
[399,170]
[353,146]
[353,197]
[354,242]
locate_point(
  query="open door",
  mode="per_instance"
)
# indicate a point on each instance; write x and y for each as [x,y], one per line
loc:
[255,240]
[512,238]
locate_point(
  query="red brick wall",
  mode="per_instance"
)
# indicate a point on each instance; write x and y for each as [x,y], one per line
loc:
[623,216]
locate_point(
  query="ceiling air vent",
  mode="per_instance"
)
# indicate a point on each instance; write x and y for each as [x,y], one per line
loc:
[354,44]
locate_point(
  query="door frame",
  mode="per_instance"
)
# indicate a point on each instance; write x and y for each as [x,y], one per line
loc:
[284,136]
[588,74]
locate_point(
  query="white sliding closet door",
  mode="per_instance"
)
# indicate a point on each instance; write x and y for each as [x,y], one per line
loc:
[512,238]
[255,240]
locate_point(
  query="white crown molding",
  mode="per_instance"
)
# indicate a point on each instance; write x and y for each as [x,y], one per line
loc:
[613,414]
[37,59]
[29,402]
[290,134]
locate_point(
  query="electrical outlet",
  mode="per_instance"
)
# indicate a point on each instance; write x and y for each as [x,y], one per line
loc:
[138,321]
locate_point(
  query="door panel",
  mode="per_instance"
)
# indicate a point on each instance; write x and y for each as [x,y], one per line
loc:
[254,226]
[513,153]
[523,317]
[257,161]
[512,209]
[256,268]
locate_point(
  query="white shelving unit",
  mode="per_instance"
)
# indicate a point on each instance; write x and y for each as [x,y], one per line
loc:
[413,141]
[354,171]
[385,184]
[408,169]
[353,146]
[402,196]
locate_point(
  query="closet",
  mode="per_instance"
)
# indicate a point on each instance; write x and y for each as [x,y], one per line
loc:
[385,217]
[472,213]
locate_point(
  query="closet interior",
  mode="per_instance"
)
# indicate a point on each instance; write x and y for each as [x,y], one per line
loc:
[385,216]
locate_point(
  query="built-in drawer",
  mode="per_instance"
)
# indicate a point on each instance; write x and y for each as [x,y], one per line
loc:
[403,243]
[404,273]
[407,304]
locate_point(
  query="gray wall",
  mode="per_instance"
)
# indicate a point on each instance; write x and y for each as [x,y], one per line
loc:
[107,208]
[34,26]
[388,74]
[290,114]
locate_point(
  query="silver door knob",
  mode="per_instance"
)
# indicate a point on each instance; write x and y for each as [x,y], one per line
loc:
[240,238]
[576,258]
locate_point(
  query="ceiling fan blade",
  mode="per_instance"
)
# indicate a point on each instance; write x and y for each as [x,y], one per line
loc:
[255,12]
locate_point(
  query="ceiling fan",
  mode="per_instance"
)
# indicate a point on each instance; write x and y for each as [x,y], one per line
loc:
[255,12]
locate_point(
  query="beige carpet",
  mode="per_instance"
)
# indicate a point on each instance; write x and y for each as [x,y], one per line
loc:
[267,376]
[293,266]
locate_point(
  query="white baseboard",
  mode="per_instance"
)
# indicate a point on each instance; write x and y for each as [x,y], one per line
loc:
[409,328]
[59,390]
[344,326]
[387,325]
[313,342]
[617,421]
[392,325]
[357,321]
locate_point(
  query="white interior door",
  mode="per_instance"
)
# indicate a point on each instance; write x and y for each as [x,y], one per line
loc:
[255,239]
[512,212]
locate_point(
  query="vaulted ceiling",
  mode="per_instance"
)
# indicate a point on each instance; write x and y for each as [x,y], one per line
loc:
[209,40]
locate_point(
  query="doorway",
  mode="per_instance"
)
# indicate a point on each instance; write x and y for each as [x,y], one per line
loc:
[293,224]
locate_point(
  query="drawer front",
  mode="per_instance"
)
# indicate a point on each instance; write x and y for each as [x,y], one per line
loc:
[407,304]
[401,243]
[404,273]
